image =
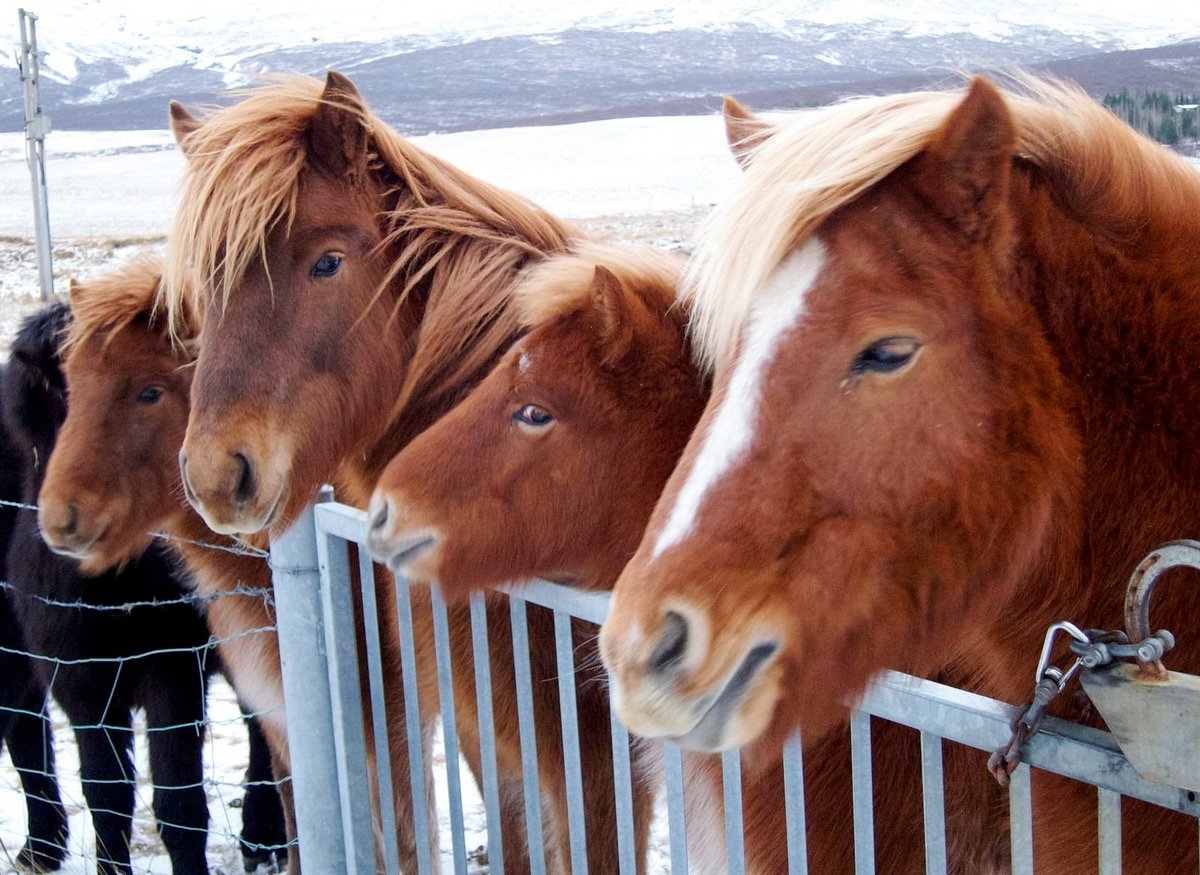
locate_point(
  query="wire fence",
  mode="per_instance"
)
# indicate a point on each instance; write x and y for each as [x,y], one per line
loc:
[244,823]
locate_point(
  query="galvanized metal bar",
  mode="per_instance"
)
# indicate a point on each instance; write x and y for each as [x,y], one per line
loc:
[412,720]
[487,730]
[445,676]
[864,793]
[1020,819]
[731,787]
[1109,824]
[526,724]
[302,650]
[590,606]
[793,795]
[342,521]
[1074,751]
[379,720]
[623,789]
[564,646]
[349,733]
[676,822]
[933,788]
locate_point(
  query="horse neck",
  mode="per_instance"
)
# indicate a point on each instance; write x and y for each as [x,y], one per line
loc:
[1120,314]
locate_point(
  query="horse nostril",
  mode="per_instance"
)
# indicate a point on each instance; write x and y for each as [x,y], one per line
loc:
[381,511]
[671,645]
[244,491]
[183,476]
[71,524]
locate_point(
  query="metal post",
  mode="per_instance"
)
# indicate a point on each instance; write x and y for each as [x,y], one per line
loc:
[37,125]
[307,695]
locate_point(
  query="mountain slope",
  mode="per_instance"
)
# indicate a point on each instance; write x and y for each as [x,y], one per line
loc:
[539,62]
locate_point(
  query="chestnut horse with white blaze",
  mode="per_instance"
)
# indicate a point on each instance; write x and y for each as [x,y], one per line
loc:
[350,289]
[955,400]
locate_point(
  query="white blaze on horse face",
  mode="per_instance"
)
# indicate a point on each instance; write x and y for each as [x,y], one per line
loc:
[779,306]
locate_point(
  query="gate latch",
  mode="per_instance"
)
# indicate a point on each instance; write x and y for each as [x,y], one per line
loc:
[1152,712]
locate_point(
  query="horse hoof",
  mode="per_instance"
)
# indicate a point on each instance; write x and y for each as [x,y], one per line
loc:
[40,856]
[264,861]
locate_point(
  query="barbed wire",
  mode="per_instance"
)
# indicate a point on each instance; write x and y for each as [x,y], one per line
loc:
[266,593]
[210,644]
[239,548]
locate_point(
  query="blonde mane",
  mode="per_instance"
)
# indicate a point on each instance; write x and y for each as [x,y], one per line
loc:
[564,283]
[819,161]
[111,302]
[447,232]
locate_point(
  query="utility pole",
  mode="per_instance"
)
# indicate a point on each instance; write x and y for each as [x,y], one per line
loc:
[37,125]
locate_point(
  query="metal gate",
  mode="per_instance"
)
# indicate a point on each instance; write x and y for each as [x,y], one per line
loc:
[328,736]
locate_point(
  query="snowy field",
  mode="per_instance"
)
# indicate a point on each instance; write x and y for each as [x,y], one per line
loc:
[225,761]
[111,195]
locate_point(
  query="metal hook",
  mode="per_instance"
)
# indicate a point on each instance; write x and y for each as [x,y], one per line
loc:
[1173,554]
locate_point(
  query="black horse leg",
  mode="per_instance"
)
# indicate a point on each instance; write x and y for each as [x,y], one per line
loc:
[25,727]
[31,746]
[106,769]
[264,837]
[175,737]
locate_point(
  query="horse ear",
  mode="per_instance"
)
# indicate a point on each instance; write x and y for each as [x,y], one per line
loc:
[183,123]
[337,140]
[617,310]
[964,172]
[743,129]
[74,291]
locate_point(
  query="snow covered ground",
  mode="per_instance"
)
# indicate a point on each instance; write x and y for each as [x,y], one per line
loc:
[111,195]
[225,760]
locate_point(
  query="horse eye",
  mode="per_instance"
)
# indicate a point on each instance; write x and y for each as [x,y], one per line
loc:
[885,356]
[533,417]
[149,395]
[327,265]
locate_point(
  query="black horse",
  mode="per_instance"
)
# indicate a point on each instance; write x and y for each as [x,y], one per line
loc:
[24,719]
[102,660]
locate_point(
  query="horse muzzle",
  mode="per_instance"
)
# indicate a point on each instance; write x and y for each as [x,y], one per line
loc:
[397,540]
[234,493]
[71,528]
[674,685]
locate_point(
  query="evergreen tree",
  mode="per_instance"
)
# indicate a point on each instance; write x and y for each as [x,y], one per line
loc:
[1168,131]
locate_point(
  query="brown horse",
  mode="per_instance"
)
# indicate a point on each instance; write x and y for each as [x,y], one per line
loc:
[351,288]
[113,478]
[601,384]
[550,466]
[954,401]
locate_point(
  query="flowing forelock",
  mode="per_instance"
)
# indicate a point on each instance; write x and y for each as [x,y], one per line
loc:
[457,240]
[111,302]
[818,161]
[242,180]
[564,283]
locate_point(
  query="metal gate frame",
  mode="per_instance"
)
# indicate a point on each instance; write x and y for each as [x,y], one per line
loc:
[327,736]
